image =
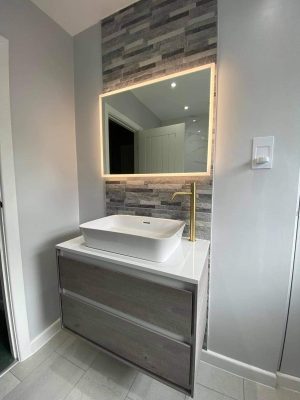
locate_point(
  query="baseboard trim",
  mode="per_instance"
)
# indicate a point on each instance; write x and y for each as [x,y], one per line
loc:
[288,381]
[45,336]
[239,368]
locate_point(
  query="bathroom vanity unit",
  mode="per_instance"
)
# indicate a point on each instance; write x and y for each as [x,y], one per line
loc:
[149,315]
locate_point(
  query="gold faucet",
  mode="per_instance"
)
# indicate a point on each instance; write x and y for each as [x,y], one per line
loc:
[192,195]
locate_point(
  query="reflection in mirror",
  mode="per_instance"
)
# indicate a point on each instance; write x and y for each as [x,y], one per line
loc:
[161,127]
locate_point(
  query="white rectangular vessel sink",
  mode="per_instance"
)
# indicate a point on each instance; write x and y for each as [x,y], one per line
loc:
[149,238]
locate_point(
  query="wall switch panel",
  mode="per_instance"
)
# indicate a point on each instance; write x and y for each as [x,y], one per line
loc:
[262,152]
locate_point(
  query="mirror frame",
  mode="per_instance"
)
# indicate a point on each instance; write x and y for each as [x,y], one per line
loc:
[102,97]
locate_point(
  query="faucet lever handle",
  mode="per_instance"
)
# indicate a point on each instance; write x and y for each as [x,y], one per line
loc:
[181,194]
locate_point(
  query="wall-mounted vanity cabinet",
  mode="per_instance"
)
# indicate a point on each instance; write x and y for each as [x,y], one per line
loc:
[149,315]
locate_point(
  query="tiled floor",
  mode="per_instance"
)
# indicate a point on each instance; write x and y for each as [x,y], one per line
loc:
[68,368]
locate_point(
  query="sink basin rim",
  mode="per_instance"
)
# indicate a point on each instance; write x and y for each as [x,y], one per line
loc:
[93,225]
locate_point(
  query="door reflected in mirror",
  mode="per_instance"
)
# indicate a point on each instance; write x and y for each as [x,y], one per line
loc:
[161,127]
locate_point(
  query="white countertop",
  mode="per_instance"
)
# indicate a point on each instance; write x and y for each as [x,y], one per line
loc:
[185,264]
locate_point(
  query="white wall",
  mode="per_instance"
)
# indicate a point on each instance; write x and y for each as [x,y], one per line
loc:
[254,211]
[88,86]
[291,353]
[10,214]
[43,130]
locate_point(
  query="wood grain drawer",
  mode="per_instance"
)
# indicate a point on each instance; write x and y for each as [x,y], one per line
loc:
[163,306]
[158,354]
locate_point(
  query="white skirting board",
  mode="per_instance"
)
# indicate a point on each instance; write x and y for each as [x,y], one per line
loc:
[288,381]
[45,336]
[238,368]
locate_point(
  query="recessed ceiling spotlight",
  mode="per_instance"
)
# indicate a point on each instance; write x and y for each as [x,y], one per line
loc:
[186,107]
[173,85]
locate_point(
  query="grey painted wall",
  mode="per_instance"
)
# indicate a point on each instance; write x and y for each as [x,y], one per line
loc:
[88,86]
[254,211]
[42,108]
[129,105]
[291,353]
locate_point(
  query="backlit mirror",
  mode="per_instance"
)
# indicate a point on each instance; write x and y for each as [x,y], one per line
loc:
[161,127]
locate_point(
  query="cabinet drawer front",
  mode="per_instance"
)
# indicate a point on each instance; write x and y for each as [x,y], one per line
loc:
[160,355]
[166,307]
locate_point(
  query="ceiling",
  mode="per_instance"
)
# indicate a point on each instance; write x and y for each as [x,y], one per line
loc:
[167,103]
[75,16]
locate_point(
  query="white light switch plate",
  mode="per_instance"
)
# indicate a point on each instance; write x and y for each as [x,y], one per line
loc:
[262,152]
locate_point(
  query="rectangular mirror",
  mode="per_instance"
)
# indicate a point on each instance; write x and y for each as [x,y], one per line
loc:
[159,127]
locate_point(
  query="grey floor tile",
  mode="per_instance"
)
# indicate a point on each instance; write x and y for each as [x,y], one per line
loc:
[257,391]
[23,369]
[106,379]
[78,351]
[146,388]
[7,383]
[53,380]
[204,393]
[220,380]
